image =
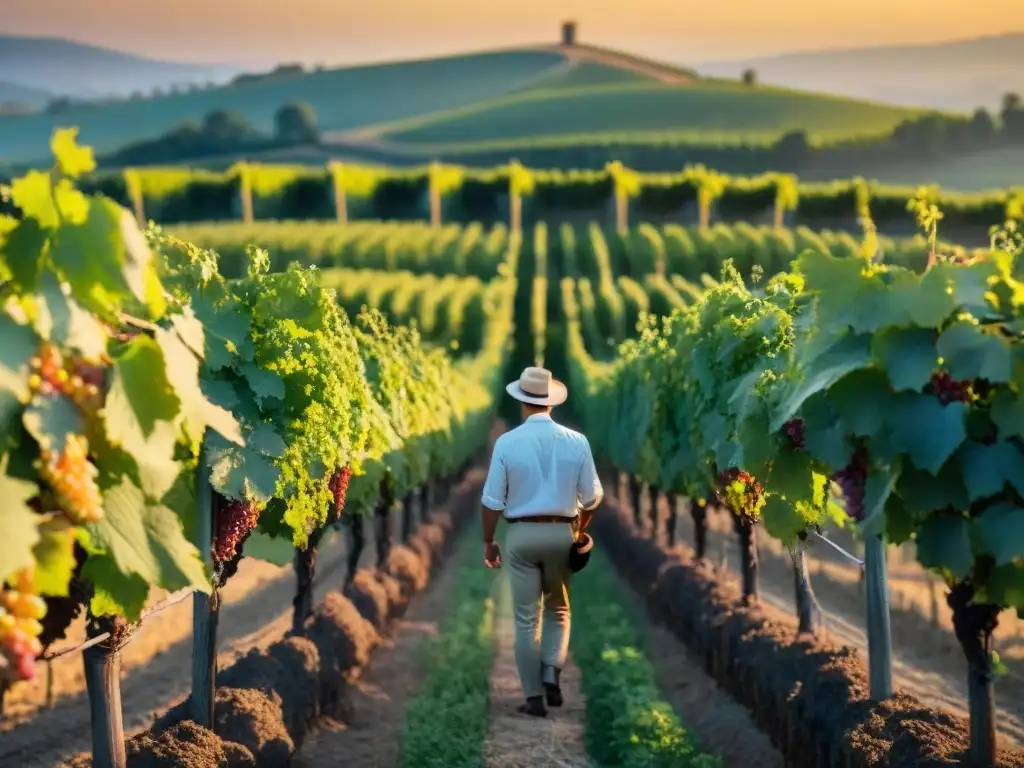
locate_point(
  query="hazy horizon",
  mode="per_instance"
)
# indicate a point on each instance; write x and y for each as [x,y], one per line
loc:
[316,31]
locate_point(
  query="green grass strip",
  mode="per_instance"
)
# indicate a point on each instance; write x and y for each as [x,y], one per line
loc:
[447,720]
[628,723]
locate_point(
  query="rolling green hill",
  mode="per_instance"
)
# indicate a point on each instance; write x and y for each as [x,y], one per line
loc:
[714,111]
[344,99]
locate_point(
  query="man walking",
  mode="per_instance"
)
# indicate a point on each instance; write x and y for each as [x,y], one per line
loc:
[542,480]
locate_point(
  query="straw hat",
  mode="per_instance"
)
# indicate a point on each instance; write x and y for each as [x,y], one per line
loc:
[536,387]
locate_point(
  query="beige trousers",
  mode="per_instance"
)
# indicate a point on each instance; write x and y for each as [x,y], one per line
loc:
[537,559]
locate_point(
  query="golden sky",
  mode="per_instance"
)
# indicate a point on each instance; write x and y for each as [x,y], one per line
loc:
[336,31]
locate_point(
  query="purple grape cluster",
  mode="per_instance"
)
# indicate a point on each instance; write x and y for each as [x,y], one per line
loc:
[948,390]
[235,520]
[853,480]
[795,431]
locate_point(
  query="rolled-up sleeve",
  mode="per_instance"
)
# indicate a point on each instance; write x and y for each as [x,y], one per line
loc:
[588,487]
[495,495]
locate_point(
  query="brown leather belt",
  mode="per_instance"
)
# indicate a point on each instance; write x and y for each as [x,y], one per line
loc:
[541,519]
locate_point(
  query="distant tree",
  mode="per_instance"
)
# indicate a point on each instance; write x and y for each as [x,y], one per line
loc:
[1012,116]
[226,129]
[749,77]
[792,150]
[982,128]
[295,123]
[136,96]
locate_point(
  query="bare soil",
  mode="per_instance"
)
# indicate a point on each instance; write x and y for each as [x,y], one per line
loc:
[927,660]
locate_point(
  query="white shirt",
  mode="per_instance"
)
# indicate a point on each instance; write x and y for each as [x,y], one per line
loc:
[541,468]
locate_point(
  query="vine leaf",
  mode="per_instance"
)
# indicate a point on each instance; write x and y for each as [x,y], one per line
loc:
[944,543]
[969,353]
[1007,414]
[115,593]
[140,396]
[58,318]
[55,556]
[908,355]
[146,539]
[18,348]
[91,257]
[988,468]
[22,251]
[182,368]
[19,523]
[999,530]
[270,549]
[50,420]
[240,473]
[265,385]
[925,430]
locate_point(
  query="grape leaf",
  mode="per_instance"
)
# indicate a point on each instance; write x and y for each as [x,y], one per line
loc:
[140,267]
[988,468]
[864,303]
[146,539]
[908,355]
[72,160]
[55,556]
[782,519]
[944,543]
[91,257]
[115,593]
[17,348]
[240,473]
[19,523]
[227,332]
[846,354]
[50,420]
[22,251]
[1000,530]
[33,194]
[61,320]
[925,430]
[140,394]
[1005,586]
[931,299]
[264,438]
[877,490]
[792,476]
[269,549]
[265,385]
[1008,414]
[182,368]
[969,353]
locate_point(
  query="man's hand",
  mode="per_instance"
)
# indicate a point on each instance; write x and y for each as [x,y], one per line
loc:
[492,555]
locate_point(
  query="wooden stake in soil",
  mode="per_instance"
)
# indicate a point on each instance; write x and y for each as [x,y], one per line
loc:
[879,634]
[407,516]
[357,528]
[205,610]
[103,683]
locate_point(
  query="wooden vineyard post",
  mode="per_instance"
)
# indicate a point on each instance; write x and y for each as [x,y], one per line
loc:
[879,636]
[652,499]
[699,513]
[205,610]
[338,186]
[103,683]
[621,212]
[382,524]
[357,527]
[803,593]
[433,184]
[407,515]
[515,205]
[426,501]
[744,527]
[245,193]
[305,569]
[672,520]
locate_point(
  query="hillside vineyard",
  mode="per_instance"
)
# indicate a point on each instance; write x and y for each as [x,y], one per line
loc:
[202,399]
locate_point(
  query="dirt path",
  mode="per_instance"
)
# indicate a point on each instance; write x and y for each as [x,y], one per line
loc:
[156,664]
[373,738]
[928,666]
[520,741]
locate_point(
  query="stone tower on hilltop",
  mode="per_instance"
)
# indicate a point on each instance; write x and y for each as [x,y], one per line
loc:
[568,33]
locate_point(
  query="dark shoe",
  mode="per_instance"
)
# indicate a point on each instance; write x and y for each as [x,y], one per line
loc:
[534,707]
[552,676]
